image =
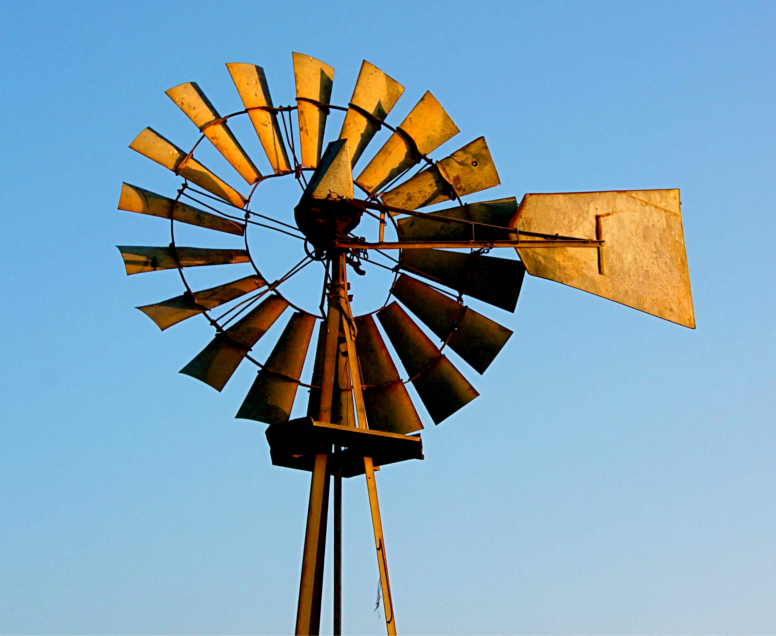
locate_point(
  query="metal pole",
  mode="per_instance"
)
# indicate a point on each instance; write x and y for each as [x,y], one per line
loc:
[337,628]
[308,615]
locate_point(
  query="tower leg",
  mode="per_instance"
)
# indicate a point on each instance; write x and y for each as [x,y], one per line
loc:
[337,626]
[308,614]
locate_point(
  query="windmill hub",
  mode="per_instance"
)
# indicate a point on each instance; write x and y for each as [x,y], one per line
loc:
[323,221]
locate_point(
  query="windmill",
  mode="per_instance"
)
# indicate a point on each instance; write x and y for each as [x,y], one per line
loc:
[627,246]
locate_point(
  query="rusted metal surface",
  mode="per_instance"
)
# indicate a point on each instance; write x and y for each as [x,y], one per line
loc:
[174,310]
[217,362]
[644,251]
[471,335]
[198,108]
[134,199]
[272,394]
[314,80]
[151,144]
[314,400]
[333,178]
[251,84]
[426,128]
[388,404]
[138,260]
[489,213]
[493,280]
[466,171]
[375,94]
[440,385]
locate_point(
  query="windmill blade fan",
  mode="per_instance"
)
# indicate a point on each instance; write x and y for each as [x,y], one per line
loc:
[426,128]
[440,385]
[643,262]
[314,81]
[272,395]
[374,95]
[151,144]
[217,362]
[151,259]
[492,215]
[134,199]
[466,171]
[494,280]
[388,404]
[197,107]
[472,336]
[174,310]
[251,84]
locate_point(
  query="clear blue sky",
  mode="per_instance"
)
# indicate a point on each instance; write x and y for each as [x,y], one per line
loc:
[616,474]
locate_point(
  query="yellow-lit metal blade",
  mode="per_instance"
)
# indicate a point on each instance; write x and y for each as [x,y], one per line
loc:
[496,281]
[151,144]
[134,199]
[471,335]
[174,310]
[375,93]
[217,362]
[197,107]
[272,395]
[314,80]
[388,404]
[498,213]
[251,83]
[466,171]
[643,262]
[428,126]
[332,178]
[440,385]
[151,259]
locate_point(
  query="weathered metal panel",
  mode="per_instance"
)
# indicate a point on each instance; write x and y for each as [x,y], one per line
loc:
[388,404]
[198,108]
[174,310]
[440,385]
[333,177]
[217,362]
[375,93]
[494,213]
[314,401]
[496,281]
[471,335]
[150,259]
[644,251]
[251,84]
[466,171]
[151,144]
[428,126]
[134,199]
[272,395]
[314,81]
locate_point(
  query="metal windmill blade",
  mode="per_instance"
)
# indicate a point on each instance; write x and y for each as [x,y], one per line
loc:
[626,246]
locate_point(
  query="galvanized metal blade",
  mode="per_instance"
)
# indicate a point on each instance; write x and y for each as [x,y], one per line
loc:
[466,171]
[134,199]
[151,144]
[314,401]
[272,395]
[471,335]
[217,362]
[388,404]
[198,108]
[426,128]
[139,259]
[498,213]
[373,98]
[314,80]
[496,281]
[332,178]
[643,262]
[174,310]
[251,83]
[440,385]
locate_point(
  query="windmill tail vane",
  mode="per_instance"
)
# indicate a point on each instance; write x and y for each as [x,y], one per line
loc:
[626,246]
